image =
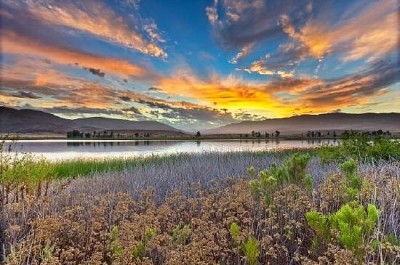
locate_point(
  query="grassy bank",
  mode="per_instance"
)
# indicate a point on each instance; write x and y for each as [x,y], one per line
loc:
[227,208]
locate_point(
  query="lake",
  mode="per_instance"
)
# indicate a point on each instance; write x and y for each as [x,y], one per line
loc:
[72,149]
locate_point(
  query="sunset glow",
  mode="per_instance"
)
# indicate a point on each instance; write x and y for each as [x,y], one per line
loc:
[200,64]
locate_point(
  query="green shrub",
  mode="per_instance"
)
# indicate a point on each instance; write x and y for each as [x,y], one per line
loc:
[234,230]
[140,250]
[353,181]
[47,251]
[392,239]
[292,171]
[352,225]
[116,248]
[355,225]
[362,148]
[320,224]
[181,235]
[251,250]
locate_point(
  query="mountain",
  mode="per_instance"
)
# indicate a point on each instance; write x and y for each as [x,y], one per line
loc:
[117,124]
[322,122]
[33,121]
[30,121]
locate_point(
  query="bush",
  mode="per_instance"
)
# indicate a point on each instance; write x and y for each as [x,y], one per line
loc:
[351,225]
[251,250]
[362,148]
[181,235]
[292,171]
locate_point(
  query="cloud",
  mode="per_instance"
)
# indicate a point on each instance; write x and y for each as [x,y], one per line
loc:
[307,30]
[228,92]
[154,89]
[243,22]
[377,42]
[367,33]
[14,43]
[185,112]
[316,95]
[211,12]
[244,52]
[72,97]
[133,110]
[152,30]
[23,94]
[94,71]
[97,19]
[82,111]
[261,67]
[125,98]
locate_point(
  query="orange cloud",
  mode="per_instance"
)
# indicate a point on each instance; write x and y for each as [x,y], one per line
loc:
[381,39]
[371,33]
[13,43]
[230,93]
[95,18]
[260,68]
[244,52]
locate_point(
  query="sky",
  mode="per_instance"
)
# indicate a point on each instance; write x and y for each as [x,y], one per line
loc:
[200,64]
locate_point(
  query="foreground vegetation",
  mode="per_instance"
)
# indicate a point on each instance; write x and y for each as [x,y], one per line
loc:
[282,208]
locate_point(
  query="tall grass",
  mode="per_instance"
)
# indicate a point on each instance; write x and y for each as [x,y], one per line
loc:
[196,197]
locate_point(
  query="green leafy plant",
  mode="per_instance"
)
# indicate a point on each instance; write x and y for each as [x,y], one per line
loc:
[355,225]
[140,250]
[361,147]
[392,239]
[181,235]
[353,181]
[47,251]
[251,250]
[116,247]
[352,225]
[320,224]
[234,230]
[292,171]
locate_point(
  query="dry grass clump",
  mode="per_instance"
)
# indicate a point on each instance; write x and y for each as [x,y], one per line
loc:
[222,222]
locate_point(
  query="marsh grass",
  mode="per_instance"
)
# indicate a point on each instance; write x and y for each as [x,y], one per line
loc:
[195,208]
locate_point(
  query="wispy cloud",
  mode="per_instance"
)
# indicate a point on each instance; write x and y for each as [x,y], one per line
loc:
[260,67]
[367,34]
[244,52]
[14,43]
[97,19]
[248,21]
[211,12]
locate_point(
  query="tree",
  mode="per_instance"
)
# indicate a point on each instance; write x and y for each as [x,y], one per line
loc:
[74,134]
[277,133]
[198,134]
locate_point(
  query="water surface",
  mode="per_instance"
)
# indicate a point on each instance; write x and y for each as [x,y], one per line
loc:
[71,149]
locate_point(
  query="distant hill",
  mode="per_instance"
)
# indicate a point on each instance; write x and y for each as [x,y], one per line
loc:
[33,121]
[322,122]
[118,124]
[30,121]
